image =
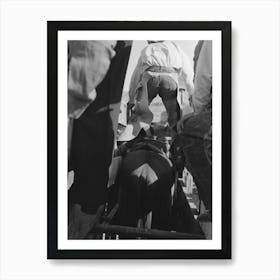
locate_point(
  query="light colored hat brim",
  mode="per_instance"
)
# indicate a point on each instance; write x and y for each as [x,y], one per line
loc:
[129,133]
[132,129]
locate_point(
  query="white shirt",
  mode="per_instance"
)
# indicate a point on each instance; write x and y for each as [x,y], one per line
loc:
[202,93]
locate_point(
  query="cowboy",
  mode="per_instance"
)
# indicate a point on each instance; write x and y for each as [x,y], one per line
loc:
[96,71]
[161,68]
[194,139]
[88,63]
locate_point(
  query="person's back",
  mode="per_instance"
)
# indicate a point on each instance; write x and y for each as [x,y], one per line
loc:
[160,67]
[165,53]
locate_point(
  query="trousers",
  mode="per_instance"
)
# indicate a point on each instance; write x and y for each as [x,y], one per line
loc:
[194,143]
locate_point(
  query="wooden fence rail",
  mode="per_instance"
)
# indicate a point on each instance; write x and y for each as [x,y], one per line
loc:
[143,232]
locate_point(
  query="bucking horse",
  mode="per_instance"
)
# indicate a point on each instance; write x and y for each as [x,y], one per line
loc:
[145,181]
[148,194]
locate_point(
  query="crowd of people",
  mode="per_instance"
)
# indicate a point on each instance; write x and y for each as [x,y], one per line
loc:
[161,68]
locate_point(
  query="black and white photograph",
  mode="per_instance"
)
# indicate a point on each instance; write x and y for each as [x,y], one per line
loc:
[138,115]
[163,136]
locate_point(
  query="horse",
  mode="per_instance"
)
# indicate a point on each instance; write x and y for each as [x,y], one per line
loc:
[145,180]
[149,195]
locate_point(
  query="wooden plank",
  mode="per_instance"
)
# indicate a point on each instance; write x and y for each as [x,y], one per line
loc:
[96,220]
[146,233]
[107,219]
[81,223]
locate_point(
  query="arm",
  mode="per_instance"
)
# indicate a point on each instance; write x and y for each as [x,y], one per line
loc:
[88,63]
[186,74]
[202,95]
[186,78]
[134,81]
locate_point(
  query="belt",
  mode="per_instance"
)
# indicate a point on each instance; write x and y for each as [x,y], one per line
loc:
[162,69]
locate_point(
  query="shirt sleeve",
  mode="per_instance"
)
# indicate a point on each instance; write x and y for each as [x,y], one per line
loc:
[186,74]
[202,95]
[88,63]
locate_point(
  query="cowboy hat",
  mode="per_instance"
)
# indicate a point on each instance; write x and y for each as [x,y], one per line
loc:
[141,118]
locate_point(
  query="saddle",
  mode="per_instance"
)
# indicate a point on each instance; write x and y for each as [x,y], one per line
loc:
[151,145]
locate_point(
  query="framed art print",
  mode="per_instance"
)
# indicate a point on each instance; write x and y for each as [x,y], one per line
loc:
[139,140]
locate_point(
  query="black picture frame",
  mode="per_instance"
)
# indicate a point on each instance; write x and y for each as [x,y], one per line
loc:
[52,137]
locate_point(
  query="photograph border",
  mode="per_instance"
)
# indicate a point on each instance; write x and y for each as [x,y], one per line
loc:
[52,137]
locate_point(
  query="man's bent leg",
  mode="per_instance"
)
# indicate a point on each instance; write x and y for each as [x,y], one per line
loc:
[192,139]
[167,90]
[173,110]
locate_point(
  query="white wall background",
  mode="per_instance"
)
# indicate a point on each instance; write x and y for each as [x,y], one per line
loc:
[255,185]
